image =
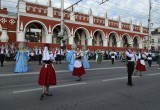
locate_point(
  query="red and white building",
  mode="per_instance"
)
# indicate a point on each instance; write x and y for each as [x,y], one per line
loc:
[36,24]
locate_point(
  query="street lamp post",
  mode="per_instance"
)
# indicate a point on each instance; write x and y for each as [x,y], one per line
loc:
[149,26]
[61,34]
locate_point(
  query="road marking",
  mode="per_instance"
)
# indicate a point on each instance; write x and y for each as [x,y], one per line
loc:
[114,79]
[60,86]
[153,74]
[18,85]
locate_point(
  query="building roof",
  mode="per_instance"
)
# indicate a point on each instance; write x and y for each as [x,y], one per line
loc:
[156,31]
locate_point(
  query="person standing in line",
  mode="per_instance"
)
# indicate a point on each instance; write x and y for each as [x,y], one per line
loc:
[149,58]
[130,59]
[113,54]
[158,60]
[99,56]
[78,66]
[47,76]
[140,63]
[21,60]
[2,54]
[39,53]
[59,56]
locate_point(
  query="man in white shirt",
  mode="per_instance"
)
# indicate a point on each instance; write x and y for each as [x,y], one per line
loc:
[113,54]
[131,58]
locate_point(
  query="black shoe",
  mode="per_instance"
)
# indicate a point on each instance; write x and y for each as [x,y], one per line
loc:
[47,94]
[78,80]
[42,96]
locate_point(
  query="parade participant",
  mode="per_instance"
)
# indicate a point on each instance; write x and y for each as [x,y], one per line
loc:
[99,56]
[21,60]
[149,58]
[78,66]
[36,53]
[39,53]
[71,57]
[140,63]
[123,57]
[85,55]
[113,54]
[158,59]
[31,55]
[2,54]
[12,51]
[130,64]
[47,76]
[59,56]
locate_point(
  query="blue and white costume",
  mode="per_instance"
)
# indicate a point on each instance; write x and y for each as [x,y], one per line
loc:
[85,60]
[71,59]
[21,62]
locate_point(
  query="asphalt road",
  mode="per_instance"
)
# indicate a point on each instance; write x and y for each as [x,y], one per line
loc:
[104,87]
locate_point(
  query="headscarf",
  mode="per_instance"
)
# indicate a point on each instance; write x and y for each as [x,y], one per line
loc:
[45,54]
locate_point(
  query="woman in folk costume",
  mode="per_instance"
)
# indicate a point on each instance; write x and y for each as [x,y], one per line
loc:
[78,66]
[85,57]
[21,60]
[71,58]
[99,59]
[158,59]
[47,76]
[140,63]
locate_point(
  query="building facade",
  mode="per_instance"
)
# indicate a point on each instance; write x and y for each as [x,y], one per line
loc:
[37,24]
[155,39]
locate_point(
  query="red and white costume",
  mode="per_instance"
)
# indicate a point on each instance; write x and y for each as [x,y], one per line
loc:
[78,66]
[141,63]
[47,74]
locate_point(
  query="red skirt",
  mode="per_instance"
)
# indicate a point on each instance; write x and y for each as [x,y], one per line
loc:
[78,71]
[47,76]
[140,67]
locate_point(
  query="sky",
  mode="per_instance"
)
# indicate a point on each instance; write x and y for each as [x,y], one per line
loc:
[135,10]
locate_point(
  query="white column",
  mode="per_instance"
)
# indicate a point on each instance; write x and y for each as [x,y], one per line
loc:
[118,44]
[4,36]
[91,19]
[120,23]
[89,41]
[106,19]
[90,16]
[22,6]
[71,40]
[131,25]
[72,16]
[50,12]
[105,42]
[140,45]
[141,28]
[20,36]
[49,38]
[131,42]
[0,27]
